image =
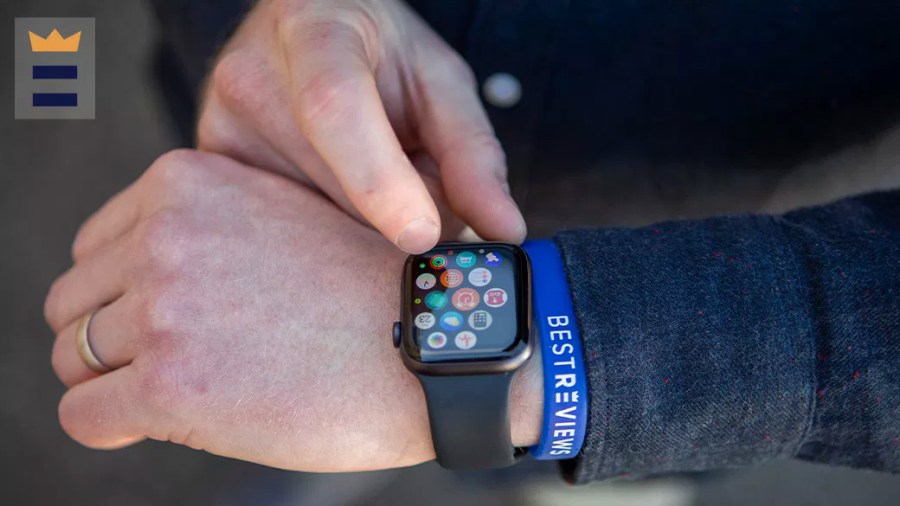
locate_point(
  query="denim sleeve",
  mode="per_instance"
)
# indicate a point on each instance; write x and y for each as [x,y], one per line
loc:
[733,341]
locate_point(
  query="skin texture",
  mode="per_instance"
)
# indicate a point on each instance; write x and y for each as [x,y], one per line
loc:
[361,99]
[247,316]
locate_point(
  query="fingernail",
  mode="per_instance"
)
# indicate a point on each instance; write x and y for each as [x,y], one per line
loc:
[418,236]
[520,228]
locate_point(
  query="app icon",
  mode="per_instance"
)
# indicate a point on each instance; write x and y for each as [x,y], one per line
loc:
[465,340]
[426,281]
[480,276]
[451,278]
[495,297]
[492,259]
[437,340]
[436,300]
[465,259]
[425,321]
[438,261]
[480,320]
[465,299]
[451,321]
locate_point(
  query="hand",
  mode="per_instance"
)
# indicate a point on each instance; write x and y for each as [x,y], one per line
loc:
[342,93]
[247,316]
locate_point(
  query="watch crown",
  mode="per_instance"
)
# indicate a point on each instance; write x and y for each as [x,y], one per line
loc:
[397,332]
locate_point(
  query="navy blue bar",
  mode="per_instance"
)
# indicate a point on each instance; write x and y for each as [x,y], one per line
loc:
[54,100]
[54,72]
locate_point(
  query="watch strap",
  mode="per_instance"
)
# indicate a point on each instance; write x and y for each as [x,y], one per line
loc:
[469,418]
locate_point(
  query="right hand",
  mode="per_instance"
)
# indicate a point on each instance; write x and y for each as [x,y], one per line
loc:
[342,94]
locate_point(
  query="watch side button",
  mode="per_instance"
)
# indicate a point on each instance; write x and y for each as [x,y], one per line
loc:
[397,333]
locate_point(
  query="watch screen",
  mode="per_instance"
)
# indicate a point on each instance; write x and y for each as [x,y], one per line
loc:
[463,301]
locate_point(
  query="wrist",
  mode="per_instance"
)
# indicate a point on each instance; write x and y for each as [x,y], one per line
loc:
[526,403]
[557,336]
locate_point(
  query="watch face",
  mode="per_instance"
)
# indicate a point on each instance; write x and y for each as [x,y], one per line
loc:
[466,302]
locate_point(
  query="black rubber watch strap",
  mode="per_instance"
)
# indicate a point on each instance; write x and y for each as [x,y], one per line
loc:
[469,417]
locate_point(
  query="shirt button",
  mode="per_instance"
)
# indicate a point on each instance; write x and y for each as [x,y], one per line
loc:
[502,90]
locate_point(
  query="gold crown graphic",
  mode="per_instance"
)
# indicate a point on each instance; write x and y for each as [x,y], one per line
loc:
[54,43]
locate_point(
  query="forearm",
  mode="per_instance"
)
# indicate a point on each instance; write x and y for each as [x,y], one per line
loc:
[733,341]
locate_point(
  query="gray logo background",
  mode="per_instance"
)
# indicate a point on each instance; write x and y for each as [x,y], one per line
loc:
[84,86]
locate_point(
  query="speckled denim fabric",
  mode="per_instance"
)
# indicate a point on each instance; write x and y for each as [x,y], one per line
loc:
[733,341]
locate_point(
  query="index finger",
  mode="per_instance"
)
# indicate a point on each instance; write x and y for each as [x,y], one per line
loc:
[339,110]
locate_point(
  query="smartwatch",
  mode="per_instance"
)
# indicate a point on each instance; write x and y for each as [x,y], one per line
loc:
[464,330]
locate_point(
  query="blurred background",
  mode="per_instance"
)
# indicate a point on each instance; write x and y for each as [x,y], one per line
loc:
[53,174]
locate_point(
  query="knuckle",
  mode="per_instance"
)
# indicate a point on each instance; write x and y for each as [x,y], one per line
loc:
[159,387]
[156,319]
[164,240]
[327,96]
[169,369]
[159,319]
[239,80]
[309,31]
[180,158]
[174,169]
[320,25]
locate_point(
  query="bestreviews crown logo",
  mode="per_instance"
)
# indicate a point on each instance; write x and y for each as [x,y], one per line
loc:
[55,68]
[54,43]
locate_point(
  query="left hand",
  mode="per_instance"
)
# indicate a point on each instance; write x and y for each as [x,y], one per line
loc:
[243,314]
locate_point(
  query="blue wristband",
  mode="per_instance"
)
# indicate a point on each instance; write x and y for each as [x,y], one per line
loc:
[565,383]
